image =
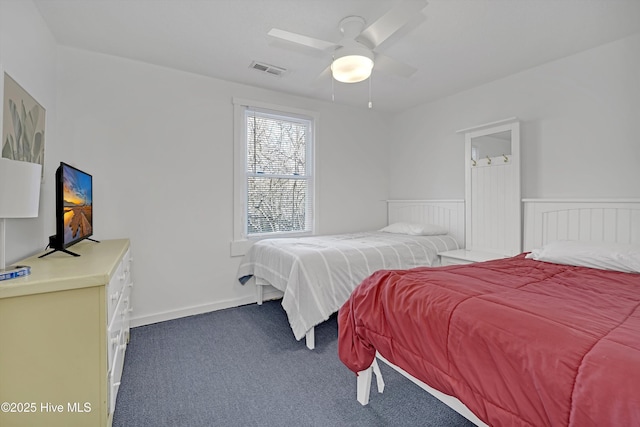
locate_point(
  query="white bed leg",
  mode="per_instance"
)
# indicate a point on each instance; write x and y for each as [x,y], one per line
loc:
[259,297]
[379,379]
[310,338]
[364,385]
[364,382]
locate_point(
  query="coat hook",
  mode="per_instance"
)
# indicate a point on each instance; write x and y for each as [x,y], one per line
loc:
[506,159]
[473,162]
[488,160]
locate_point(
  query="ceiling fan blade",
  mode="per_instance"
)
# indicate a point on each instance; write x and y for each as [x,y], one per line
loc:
[323,76]
[301,39]
[391,66]
[390,22]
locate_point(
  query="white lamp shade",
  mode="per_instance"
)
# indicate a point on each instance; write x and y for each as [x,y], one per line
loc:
[19,189]
[352,64]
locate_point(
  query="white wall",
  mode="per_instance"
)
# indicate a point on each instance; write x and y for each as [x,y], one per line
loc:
[28,55]
[159,143]
[579,134]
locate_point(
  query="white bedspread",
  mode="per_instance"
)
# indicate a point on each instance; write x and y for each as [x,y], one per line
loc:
[317,274]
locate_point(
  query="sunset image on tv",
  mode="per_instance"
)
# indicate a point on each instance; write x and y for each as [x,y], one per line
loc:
[77,191]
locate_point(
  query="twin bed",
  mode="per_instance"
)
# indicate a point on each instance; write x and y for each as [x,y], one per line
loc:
[547,339]
[317,274]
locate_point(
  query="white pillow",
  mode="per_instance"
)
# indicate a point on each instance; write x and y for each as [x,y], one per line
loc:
[414,229]
[602,255]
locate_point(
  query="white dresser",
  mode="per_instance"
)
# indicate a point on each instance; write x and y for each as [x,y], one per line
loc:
[63,335]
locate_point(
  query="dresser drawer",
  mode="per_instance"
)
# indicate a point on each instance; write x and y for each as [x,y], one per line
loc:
[115,289]
[127,309]
[115,374]
[126,266]
[115,331]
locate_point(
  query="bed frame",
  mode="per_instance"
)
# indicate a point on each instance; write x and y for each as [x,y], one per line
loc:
[545,220]
[445,213]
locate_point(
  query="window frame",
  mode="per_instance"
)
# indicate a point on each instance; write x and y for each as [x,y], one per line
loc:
[241,240]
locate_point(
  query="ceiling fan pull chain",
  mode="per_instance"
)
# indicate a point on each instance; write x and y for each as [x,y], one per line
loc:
[370,103]
[333,96]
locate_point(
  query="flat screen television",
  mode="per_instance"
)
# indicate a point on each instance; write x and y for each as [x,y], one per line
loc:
[74,208]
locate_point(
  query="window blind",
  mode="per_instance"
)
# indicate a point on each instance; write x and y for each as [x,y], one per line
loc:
[278,172]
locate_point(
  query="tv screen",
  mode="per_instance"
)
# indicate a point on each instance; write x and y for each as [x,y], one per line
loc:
[74,200]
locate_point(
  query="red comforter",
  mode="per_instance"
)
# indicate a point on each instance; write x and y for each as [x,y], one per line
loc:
[520,342]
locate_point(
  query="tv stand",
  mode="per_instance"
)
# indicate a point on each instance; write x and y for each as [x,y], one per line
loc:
[51,239]
[59,250]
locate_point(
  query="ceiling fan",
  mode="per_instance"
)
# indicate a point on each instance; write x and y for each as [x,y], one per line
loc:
[355,56]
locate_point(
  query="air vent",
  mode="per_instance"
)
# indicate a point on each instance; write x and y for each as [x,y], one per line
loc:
[267,68]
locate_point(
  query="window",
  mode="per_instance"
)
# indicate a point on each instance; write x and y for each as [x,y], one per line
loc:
[274,161]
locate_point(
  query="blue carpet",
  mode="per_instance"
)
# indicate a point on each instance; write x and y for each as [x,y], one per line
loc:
[243,367]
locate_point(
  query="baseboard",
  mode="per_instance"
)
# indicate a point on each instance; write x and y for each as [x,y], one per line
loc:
[136,321]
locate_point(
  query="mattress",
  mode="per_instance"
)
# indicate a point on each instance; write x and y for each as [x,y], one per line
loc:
[520,342]
[317,274]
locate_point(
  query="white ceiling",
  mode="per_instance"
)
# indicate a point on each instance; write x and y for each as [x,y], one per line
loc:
[456,45]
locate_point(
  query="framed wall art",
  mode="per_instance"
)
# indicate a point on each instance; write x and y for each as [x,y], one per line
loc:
[23,124]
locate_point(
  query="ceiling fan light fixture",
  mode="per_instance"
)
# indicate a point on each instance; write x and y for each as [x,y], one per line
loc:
[352,65]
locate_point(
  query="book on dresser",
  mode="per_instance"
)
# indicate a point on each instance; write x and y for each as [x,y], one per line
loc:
[64,331]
